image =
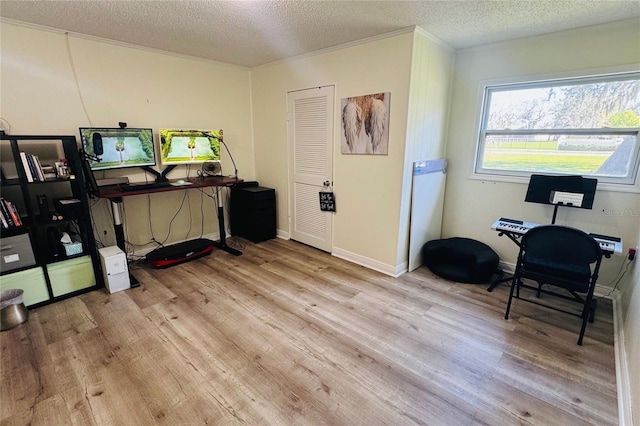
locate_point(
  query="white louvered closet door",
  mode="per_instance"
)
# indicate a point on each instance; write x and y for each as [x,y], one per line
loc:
[310,128]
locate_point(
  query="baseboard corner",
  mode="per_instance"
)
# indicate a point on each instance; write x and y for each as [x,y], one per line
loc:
[623,381]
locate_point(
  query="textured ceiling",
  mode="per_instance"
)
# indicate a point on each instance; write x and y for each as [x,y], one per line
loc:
[251,33]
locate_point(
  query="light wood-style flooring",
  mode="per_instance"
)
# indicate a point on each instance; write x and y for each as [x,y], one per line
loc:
[289,335]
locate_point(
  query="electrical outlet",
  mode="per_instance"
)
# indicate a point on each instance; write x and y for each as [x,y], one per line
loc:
[632,252]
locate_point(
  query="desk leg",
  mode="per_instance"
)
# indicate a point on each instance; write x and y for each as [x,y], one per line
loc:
[222,244]
[118,229]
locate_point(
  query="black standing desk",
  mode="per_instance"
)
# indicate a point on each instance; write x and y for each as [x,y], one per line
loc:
[114,194]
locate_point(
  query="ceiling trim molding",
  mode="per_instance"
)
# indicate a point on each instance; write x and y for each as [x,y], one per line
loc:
[500,43]
[435,39]
[4,20]
[339,47]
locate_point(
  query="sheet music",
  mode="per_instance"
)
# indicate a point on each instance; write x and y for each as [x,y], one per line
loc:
[567,198]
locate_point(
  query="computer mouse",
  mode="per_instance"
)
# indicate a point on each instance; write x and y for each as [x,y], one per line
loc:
[180,182]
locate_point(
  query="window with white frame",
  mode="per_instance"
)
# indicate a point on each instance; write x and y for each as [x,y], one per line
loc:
[581,126]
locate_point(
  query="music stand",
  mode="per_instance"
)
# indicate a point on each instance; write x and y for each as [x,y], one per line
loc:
[565,191]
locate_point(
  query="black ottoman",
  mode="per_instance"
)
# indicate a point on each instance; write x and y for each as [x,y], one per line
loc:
[460,259]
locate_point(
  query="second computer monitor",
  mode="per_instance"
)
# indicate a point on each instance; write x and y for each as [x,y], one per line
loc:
[189,146]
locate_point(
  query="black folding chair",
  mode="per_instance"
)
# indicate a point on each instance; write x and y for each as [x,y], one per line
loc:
[562,257]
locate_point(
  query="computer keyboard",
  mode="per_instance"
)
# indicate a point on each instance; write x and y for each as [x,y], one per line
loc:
[144,186]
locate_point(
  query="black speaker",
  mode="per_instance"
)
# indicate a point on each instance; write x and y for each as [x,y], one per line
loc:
[53,239]
[98,149]
[69,208]
[43,207]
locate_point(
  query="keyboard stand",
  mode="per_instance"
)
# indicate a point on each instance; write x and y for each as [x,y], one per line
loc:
[515,230]
[499,280]
[516,239]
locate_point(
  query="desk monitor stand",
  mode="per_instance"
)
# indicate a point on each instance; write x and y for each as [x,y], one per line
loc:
[160,176]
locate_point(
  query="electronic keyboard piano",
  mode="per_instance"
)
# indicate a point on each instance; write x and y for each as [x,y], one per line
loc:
[514,229]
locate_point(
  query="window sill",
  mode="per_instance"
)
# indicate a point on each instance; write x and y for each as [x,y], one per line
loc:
[613,187]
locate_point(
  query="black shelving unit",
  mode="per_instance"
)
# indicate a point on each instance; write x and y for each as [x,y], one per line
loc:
[56,271]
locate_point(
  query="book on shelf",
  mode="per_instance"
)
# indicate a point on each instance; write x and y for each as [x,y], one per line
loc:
[32,168]
[49,172]
[38,168]
[5,214]
[10,216]
[4,222]
[17,220]
[26,167]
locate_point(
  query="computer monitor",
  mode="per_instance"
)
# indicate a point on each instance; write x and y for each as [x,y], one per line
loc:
[118,148]
[189,146]
[568,191]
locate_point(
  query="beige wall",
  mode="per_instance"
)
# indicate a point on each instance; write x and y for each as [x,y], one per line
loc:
[368,187]
[140,87]
[429,91]
[471,206]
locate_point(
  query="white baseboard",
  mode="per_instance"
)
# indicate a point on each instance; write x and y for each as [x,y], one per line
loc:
[507,268]
[370,263]
[282,234]
[623,380]
[359,260]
